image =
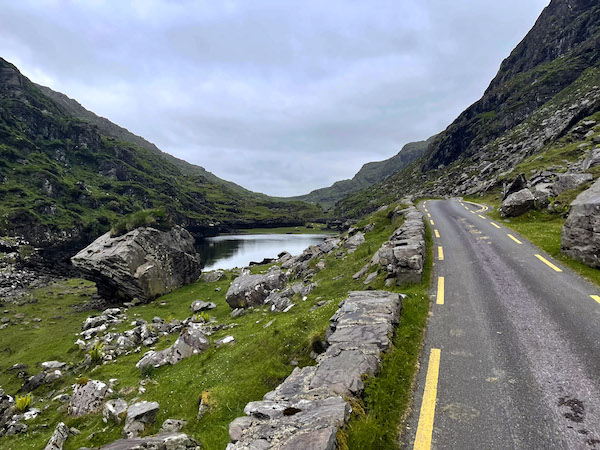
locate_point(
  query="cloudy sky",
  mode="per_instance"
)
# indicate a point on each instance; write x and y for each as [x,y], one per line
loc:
[280,96]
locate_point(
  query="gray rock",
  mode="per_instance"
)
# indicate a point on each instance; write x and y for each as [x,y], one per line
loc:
[199,305]
[591,160]
[51,377]
[60,435]
[138,416]
[52,365]
[212,277]
[114,410]
[34,382]
[370,277]
[94,322]
[190,342]
[172,426]
[581,232]
[143,263]
[517,185]
[567,181]
[165,441]
[88,398]
[517,203]
[225,340]
[252,290]
[355,241]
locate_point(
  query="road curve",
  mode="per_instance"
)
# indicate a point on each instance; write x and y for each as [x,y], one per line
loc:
[512,349]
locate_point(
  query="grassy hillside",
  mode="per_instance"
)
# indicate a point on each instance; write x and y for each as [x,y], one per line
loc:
[370,174]
[62,180]
[268,345]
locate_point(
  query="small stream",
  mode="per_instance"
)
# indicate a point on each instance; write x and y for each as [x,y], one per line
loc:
[238,250]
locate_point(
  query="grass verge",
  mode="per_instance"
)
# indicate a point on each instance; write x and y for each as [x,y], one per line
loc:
[387,397]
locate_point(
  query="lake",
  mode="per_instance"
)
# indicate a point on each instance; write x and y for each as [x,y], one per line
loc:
[237,250]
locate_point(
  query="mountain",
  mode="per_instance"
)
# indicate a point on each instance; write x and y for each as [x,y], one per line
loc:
[67,175]
[545,88]
[369,174]
[107,128]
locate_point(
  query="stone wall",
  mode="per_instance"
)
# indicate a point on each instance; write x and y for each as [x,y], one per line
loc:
[306,410]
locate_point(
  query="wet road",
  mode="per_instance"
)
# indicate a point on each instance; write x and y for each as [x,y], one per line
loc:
[512,350]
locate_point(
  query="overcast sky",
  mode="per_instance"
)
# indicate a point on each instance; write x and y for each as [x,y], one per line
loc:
[279,96]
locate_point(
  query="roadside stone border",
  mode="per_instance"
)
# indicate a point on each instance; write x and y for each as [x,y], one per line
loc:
[306,410]
[403,255]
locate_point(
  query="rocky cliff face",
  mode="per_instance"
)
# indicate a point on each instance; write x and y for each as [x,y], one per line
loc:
[537,101]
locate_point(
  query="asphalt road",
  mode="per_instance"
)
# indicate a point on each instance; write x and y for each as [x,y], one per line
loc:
[512,355]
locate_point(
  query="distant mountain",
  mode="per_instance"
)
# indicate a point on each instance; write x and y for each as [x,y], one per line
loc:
[66,175]
[106,127]
[369,174]
[548,84]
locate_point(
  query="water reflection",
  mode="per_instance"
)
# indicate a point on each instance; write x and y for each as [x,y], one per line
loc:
[229,251]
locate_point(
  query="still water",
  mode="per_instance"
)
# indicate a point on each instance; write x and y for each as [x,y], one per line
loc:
[237,250]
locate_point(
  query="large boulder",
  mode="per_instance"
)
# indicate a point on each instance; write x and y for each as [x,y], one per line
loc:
[88,397]
[144,263]
[139,415]
[567,181]
[517,203]
[252,290]
[581,231]
[518,184]
[190,342]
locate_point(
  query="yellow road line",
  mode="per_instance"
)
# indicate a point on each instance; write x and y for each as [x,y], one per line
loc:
[440,253]
[496,225]
[431,221]
[472,211]
[427,414]
[483,217]
[440,291]
[595,297]
[428,215]
[437,233]
[515,239]
[545,261]
[426,210]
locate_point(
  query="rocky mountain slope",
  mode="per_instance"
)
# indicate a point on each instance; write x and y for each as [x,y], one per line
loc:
[544,90]
[369,174]
[67,175]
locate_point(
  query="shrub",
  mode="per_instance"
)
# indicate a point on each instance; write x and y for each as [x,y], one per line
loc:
[155,218]
[147,371]
[23,402]
[82,381]
[96,352]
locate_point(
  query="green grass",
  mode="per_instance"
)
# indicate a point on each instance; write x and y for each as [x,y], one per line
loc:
[232,375]
[387,396]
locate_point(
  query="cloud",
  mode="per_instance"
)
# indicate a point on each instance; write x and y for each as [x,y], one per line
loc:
[280,97]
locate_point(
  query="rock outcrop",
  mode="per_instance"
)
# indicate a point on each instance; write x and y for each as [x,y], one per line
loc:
[306,410]
[190,342]
[403,255]
[164,441]
[581,231]
[139,415]
[60,435]
[252,290]
[568,181]
[517,203]
[143,263]
[88,397]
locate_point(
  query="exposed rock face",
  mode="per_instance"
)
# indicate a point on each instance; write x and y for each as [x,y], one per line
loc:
[252,290]
[164,441]
[88,398]
[143,263]
[592,159]
[190,342]
[138,416]
[517,203]
[403,256]
[581,231]
[306,410]
[60,435]
[568,181]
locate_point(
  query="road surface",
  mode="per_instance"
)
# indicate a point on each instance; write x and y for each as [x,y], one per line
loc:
[512,349]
